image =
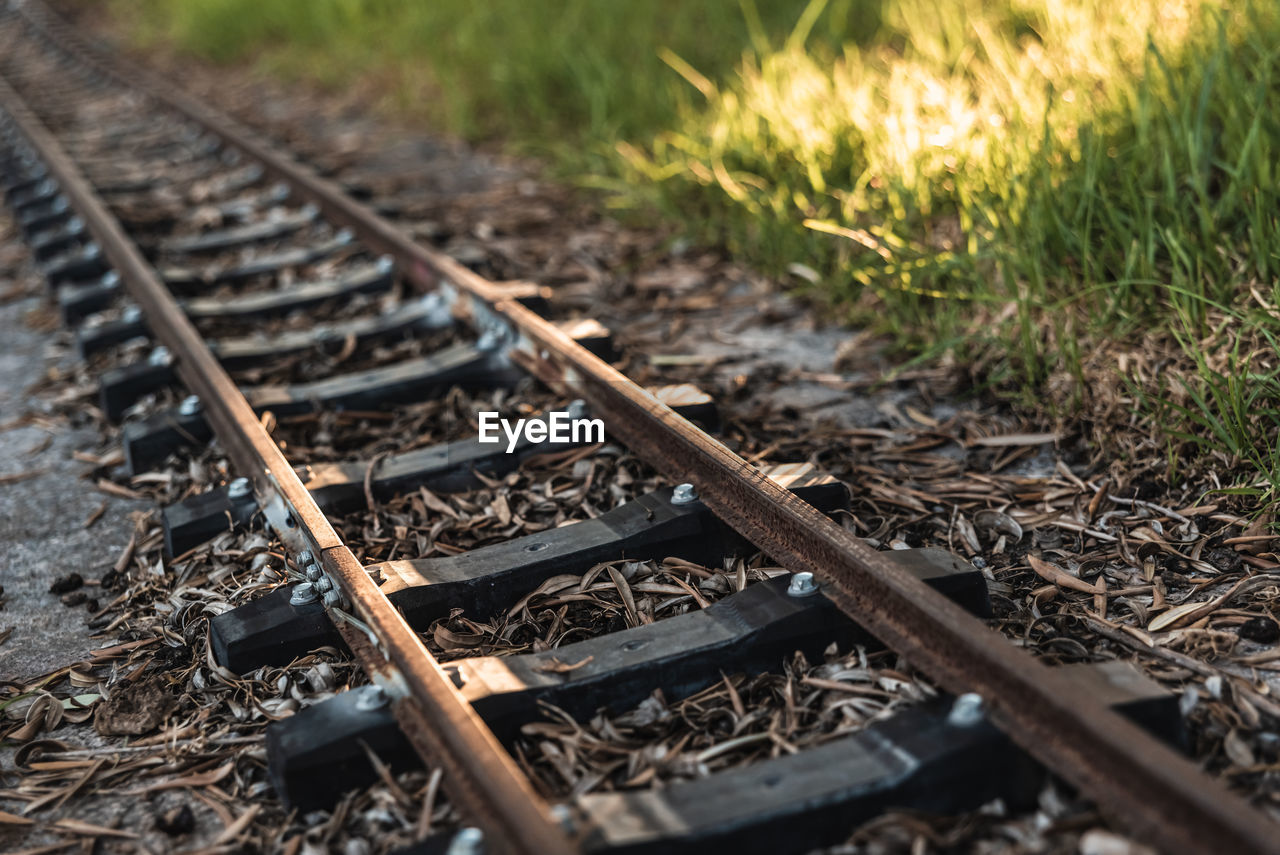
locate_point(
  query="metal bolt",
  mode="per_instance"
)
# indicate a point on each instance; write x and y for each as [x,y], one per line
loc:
[345,236]
[92,251]
[488,341]
[802,585]
[683,494]
[303,593]
[386,264]
[160,356]
[313,572]
[324,584]
[304,558]
[333,599]
[131,314]
[966,711]
[190,405]
[240,488]
[372,698]
[468,841]
[563,815]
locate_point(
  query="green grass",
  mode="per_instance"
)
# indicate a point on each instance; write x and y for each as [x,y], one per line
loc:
[1016,182]
[566,75]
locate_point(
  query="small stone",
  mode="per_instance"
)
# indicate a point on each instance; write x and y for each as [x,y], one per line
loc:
[176,821]
[74,599]
[66,584]
[1263,630]
[92,605]
[134,708]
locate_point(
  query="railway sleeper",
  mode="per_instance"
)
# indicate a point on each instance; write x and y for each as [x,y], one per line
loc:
[422,315]
[213,512]
[161,154]
[242,209]
[460,465]
[27,187]
[40,208]
[219,240]
[375,278]
[43,196]
[117,183]
[78,301]
[120,388]
[23,178]
[51,243]
[272,630]
[19,179]
[941,757]
[752,631]
[468,365]
[42,216]
[187,281]
[147,442]
[938,757]
[444,468]
[77,264]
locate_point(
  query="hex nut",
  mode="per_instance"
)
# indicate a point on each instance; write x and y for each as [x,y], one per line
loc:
[802,585]
[683,494]
[303,593]
[240,488]
[967,710]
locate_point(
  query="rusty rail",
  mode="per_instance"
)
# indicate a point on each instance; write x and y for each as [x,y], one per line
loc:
[480,774]
[1152,790]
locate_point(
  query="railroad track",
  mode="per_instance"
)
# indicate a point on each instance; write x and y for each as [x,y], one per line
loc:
[165,296]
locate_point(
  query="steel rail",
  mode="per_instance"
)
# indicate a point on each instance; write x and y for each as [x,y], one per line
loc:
[480,774]
[1146,786]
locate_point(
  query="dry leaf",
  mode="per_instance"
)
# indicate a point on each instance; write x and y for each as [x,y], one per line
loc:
[1015,439]
[1058,576]
[555,666]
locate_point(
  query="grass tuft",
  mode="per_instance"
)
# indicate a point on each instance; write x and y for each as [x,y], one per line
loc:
[1018,182]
